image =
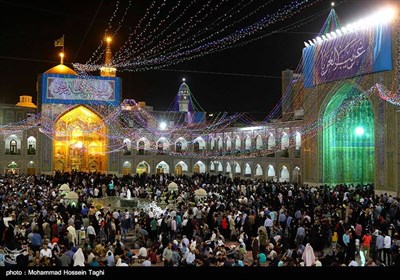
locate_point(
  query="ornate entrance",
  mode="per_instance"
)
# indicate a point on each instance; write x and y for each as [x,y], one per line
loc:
[80,142]
[12,168]
[348,142]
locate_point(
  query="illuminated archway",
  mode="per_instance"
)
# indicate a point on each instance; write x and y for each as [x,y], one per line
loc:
[259,170]
[238,170]
[212,167]
[180,145]
[218,164]
[285,176]
[247,170]
[348,142]
[127,146]
[126,168]
[271,172]
[238,143]
[228,143]
[296,175]
[180,168]
[162,145]
[162,167]
[228,169]
[247,143]
[199,167]
[13,145]
[199,144]
[31,168]
[80,142]
[12,168]
[142,167]
[31,145]
[259,142]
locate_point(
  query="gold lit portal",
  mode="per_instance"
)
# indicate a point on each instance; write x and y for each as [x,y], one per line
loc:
[80,142]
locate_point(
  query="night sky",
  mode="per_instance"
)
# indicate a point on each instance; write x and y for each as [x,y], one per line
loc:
[29,28]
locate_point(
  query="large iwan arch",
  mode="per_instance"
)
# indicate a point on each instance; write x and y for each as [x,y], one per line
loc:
[348,142]
[80,141]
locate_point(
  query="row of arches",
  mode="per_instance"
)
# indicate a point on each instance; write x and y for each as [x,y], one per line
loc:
[181,144]
[15,169]
[234,169]
[13,145]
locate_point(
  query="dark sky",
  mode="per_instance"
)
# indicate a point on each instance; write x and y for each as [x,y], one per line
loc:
[29,28]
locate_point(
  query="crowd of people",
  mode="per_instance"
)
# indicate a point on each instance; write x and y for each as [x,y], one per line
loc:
[239,222]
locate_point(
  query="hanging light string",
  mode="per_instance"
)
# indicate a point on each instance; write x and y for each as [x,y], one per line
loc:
[134,46]
[182,54]
[146,124]
[195,49]
[210,26]
[99,52]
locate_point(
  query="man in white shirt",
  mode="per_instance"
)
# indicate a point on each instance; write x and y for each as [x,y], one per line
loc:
[45,252]
[185,241]
[268,224]
[151,214]
[190,258]
[92,234]
[387,244]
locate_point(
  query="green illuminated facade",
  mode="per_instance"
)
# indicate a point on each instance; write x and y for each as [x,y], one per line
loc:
[348,142]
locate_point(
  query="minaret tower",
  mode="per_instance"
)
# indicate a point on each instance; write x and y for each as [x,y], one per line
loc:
[107,70]
[184,97]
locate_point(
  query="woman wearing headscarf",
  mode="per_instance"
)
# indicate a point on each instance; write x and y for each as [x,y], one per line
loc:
[308,255]
[79,258]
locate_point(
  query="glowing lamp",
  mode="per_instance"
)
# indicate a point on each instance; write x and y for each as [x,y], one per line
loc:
[61,58]
[359,131]
[163,125]
[79,145]
[350,27]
